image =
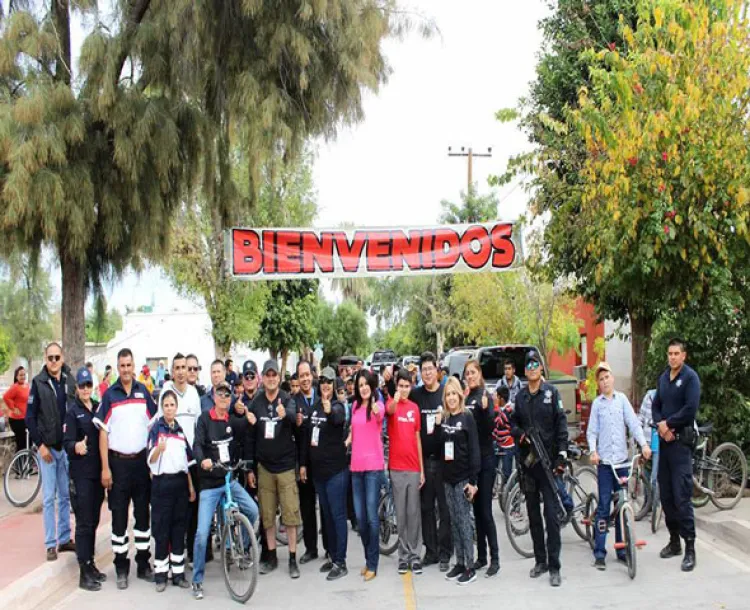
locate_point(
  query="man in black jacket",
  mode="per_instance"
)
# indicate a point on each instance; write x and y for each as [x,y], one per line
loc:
[272,416]
[538,406]
[50,391]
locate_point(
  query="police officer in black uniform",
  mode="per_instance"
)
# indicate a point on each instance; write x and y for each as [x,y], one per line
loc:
[539,406]
[81,442]
[675,406]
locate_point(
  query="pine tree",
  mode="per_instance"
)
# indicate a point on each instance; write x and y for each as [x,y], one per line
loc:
[96,158]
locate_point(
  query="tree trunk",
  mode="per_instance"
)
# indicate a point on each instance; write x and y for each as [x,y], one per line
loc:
[640,332]
[284,358]
[440,342]
[73,311]
[219,351]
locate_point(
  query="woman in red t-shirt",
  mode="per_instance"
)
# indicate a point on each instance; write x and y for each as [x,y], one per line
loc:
[407,472]
[15,400]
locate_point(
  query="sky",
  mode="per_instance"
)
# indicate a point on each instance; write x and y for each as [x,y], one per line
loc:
[393,168]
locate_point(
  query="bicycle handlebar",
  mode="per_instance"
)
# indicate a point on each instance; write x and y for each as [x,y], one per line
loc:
[240,465]
[630,465]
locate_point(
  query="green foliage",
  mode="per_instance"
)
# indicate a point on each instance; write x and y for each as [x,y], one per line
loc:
[25,306]
[288,318]
[6,350]
[473,208]
[342,330]
[101,325]
[408,337]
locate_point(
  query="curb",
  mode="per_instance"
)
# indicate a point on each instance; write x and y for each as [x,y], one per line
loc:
[733,533]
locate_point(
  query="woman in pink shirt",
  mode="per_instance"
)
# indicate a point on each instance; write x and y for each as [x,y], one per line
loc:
[367,465]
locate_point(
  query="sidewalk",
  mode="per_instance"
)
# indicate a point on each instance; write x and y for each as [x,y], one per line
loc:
[730,526]
[27,578]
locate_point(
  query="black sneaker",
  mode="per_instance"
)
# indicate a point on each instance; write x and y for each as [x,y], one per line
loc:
[493,570]
[100,576]
[538,570]
[308,557]
[269,566]
[122,581]
[467,577]
[455,572]
[197,590]
[403,567]
[146,573]
[337,572]
[600,564]
[479,564]
[327,566]
[428,560]
[445,566]
[293,569]
[416,567]
[554,579]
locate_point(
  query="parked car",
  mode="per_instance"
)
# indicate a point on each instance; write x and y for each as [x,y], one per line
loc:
[407,360]
[455,360]
[492,360]
[379,359]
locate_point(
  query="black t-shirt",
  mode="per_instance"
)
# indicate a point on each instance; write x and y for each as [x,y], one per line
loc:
[484,418]
[272,440]
[324,451]
[429,404]
[461,431]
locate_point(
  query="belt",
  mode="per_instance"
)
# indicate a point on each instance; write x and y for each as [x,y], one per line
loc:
[128,456]
[171,475]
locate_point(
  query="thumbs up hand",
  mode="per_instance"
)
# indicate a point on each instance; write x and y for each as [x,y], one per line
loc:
[280,409]
[81,448]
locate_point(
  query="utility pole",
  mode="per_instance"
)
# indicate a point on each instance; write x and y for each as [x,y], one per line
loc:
[470,154]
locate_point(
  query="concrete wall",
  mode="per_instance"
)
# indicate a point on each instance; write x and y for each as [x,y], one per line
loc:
[618,354]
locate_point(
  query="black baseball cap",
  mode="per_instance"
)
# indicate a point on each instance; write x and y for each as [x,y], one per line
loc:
[533,356]
[249,367]
[270,365]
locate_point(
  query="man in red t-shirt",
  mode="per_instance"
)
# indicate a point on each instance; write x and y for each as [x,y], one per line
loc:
[407,472]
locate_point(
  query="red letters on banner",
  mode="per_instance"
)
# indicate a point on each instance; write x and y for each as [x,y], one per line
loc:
[269,253]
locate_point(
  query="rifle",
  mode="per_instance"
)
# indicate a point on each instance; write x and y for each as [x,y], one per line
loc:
[541,454]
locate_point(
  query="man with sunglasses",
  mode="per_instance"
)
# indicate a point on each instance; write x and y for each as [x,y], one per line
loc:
[50,392]
[188,411]
[193,371]
[123,419]
[539,406]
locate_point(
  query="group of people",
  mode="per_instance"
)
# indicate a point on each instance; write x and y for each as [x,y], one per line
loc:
[320,443]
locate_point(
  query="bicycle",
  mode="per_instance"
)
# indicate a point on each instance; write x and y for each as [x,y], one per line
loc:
[581,485]
[622,511]
[721,477]
[239,542]
[388,539]
[22,480]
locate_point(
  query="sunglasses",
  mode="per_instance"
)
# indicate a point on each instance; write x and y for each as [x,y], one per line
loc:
[193,369]
[83,386]
[54,358]
[532,366]
[250,376]
[223,394]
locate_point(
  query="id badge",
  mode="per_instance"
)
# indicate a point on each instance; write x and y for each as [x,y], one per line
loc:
[448,451]
[430,424]
[315,436]
[270,429]
[224,453]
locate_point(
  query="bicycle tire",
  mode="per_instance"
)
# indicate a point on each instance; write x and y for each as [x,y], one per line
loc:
[519,532]
[388,527]
[25,464]
[509,484]
[656,515]
[282,537]
[639,494]
[592,505]
[629,539]
[240,520]
[580,512]
[726,480]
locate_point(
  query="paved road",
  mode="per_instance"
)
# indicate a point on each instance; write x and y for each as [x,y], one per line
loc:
[720,582]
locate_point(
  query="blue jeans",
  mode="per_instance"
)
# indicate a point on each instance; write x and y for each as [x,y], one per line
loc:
[366,487]
[567,501]
[55,484]
[608,486]
[507,457]
[332,493]
[209,500]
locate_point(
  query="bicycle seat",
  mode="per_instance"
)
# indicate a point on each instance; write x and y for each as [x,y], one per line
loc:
[707,429]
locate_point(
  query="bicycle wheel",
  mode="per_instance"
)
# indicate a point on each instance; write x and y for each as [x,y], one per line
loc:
[502,499]
[388,539]
[639,494]
[580,497]
[656,514]
[592,504]
[239,557]
[700,480]
[22,479]
[629,539]
[517,523]
[282,537]
[727,476]
[497,486]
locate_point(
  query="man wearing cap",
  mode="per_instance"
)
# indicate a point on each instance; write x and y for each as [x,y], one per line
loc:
[305,405]
[146,379]
[123,419]
[674,409]
[539,406]
[50,392]
[218,438]
[273,448]
[188,411]
[612,417]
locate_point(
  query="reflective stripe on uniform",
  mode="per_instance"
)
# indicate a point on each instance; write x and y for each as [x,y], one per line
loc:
[161,565]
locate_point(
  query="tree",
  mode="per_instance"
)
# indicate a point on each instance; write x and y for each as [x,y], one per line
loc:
[342,330]
[25,306]
[287,321]
[473,208]
[96,159]
[101,324]
[197,265]
[6,350]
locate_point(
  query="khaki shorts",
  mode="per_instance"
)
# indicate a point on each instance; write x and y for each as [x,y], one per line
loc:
[275,489]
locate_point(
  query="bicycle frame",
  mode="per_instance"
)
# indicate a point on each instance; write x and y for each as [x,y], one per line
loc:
[622,503]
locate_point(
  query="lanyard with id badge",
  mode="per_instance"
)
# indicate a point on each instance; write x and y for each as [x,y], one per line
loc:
[223,447]
[315,439]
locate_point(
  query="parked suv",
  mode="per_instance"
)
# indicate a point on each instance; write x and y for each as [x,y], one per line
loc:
[380,358]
